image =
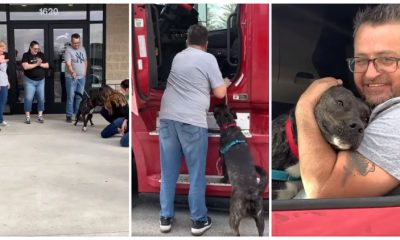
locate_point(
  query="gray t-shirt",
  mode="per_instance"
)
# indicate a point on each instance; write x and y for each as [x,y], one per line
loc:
[381,142]
[187,96]
[77,58]
[3,75]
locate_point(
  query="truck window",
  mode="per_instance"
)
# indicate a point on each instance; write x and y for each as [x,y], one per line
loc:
[215,16]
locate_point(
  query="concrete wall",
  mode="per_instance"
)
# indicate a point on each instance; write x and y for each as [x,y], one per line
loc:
[117,43]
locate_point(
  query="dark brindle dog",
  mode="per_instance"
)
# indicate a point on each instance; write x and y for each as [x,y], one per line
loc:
[341,118]
[246,199]
[89,102]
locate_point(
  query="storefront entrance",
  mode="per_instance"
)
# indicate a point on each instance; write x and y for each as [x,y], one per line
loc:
[53,40]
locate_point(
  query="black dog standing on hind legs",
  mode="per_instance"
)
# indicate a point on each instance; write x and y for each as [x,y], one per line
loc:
[246,199]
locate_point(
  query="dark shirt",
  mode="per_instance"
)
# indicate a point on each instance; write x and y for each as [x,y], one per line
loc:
[120,111]
[36,73]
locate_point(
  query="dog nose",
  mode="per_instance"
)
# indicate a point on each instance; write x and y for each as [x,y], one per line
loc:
[356,127]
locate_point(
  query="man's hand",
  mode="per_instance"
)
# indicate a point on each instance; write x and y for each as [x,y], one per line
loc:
[228,82]
[313,93]
[74,75]
[8,84]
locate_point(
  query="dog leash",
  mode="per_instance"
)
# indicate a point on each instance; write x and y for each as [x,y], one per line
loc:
[280,175]
[78,83]
[290,138]
[223,128]
[218,165]
[231,144]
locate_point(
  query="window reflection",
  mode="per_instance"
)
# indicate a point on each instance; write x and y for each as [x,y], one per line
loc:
[96,12]
[3,16]
[23,38]
[96,56]
[61,39]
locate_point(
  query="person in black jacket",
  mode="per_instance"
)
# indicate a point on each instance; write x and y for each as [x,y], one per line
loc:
[118,109]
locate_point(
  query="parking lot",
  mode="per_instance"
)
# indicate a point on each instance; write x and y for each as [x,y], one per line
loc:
[145,218]
[57,180]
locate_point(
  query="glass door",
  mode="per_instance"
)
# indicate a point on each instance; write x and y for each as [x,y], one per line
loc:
[60,37]
[53,40]
[21,37]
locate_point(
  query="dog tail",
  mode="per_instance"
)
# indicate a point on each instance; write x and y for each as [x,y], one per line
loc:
[263,178]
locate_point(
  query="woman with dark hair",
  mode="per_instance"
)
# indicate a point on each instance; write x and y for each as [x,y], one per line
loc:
[34,64]
[105,92]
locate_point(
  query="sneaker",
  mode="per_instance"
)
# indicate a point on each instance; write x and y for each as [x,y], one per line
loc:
[200,227]
[28,120]
[4,123]
[69,119]
[40,119]
[165,224]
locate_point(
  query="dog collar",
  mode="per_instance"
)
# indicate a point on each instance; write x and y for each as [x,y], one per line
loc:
[223,128]
[290,138]
[231,144]
[279,175]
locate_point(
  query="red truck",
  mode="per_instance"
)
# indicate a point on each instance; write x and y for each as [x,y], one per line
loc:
[238,37]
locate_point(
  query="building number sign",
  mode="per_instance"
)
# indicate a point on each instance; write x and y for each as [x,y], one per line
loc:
[48,11]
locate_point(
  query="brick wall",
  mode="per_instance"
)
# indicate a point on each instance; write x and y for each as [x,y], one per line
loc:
[117,43]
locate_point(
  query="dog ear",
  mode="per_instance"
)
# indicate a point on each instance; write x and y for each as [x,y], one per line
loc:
[233,113]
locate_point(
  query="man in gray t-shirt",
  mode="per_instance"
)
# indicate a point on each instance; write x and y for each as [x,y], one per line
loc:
[374,168]
[183,127]
[75,76]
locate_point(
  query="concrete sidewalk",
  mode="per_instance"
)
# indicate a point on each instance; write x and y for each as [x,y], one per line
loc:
[57,180]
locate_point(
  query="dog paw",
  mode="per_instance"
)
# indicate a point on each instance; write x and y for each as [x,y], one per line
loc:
[84,129]
[92,125]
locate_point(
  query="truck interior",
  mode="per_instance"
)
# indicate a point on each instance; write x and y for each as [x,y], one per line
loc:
[167,37]
[313,43]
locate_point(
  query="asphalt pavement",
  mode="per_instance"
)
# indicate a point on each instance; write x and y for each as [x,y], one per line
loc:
[145,218]
[59,181]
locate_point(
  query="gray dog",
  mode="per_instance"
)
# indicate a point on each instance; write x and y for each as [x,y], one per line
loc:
[341,118]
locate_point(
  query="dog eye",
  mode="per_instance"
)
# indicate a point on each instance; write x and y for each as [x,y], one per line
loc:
[366,119]
[340,103]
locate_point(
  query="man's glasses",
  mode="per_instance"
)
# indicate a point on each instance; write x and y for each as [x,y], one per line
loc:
[381,64]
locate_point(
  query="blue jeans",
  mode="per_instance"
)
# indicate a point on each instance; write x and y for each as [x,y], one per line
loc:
[112,129]
[33,89]
[3,101]
[179,139]
[124,140]
[73,100]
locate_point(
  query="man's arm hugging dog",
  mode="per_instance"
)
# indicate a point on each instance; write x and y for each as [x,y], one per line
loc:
[340,120]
